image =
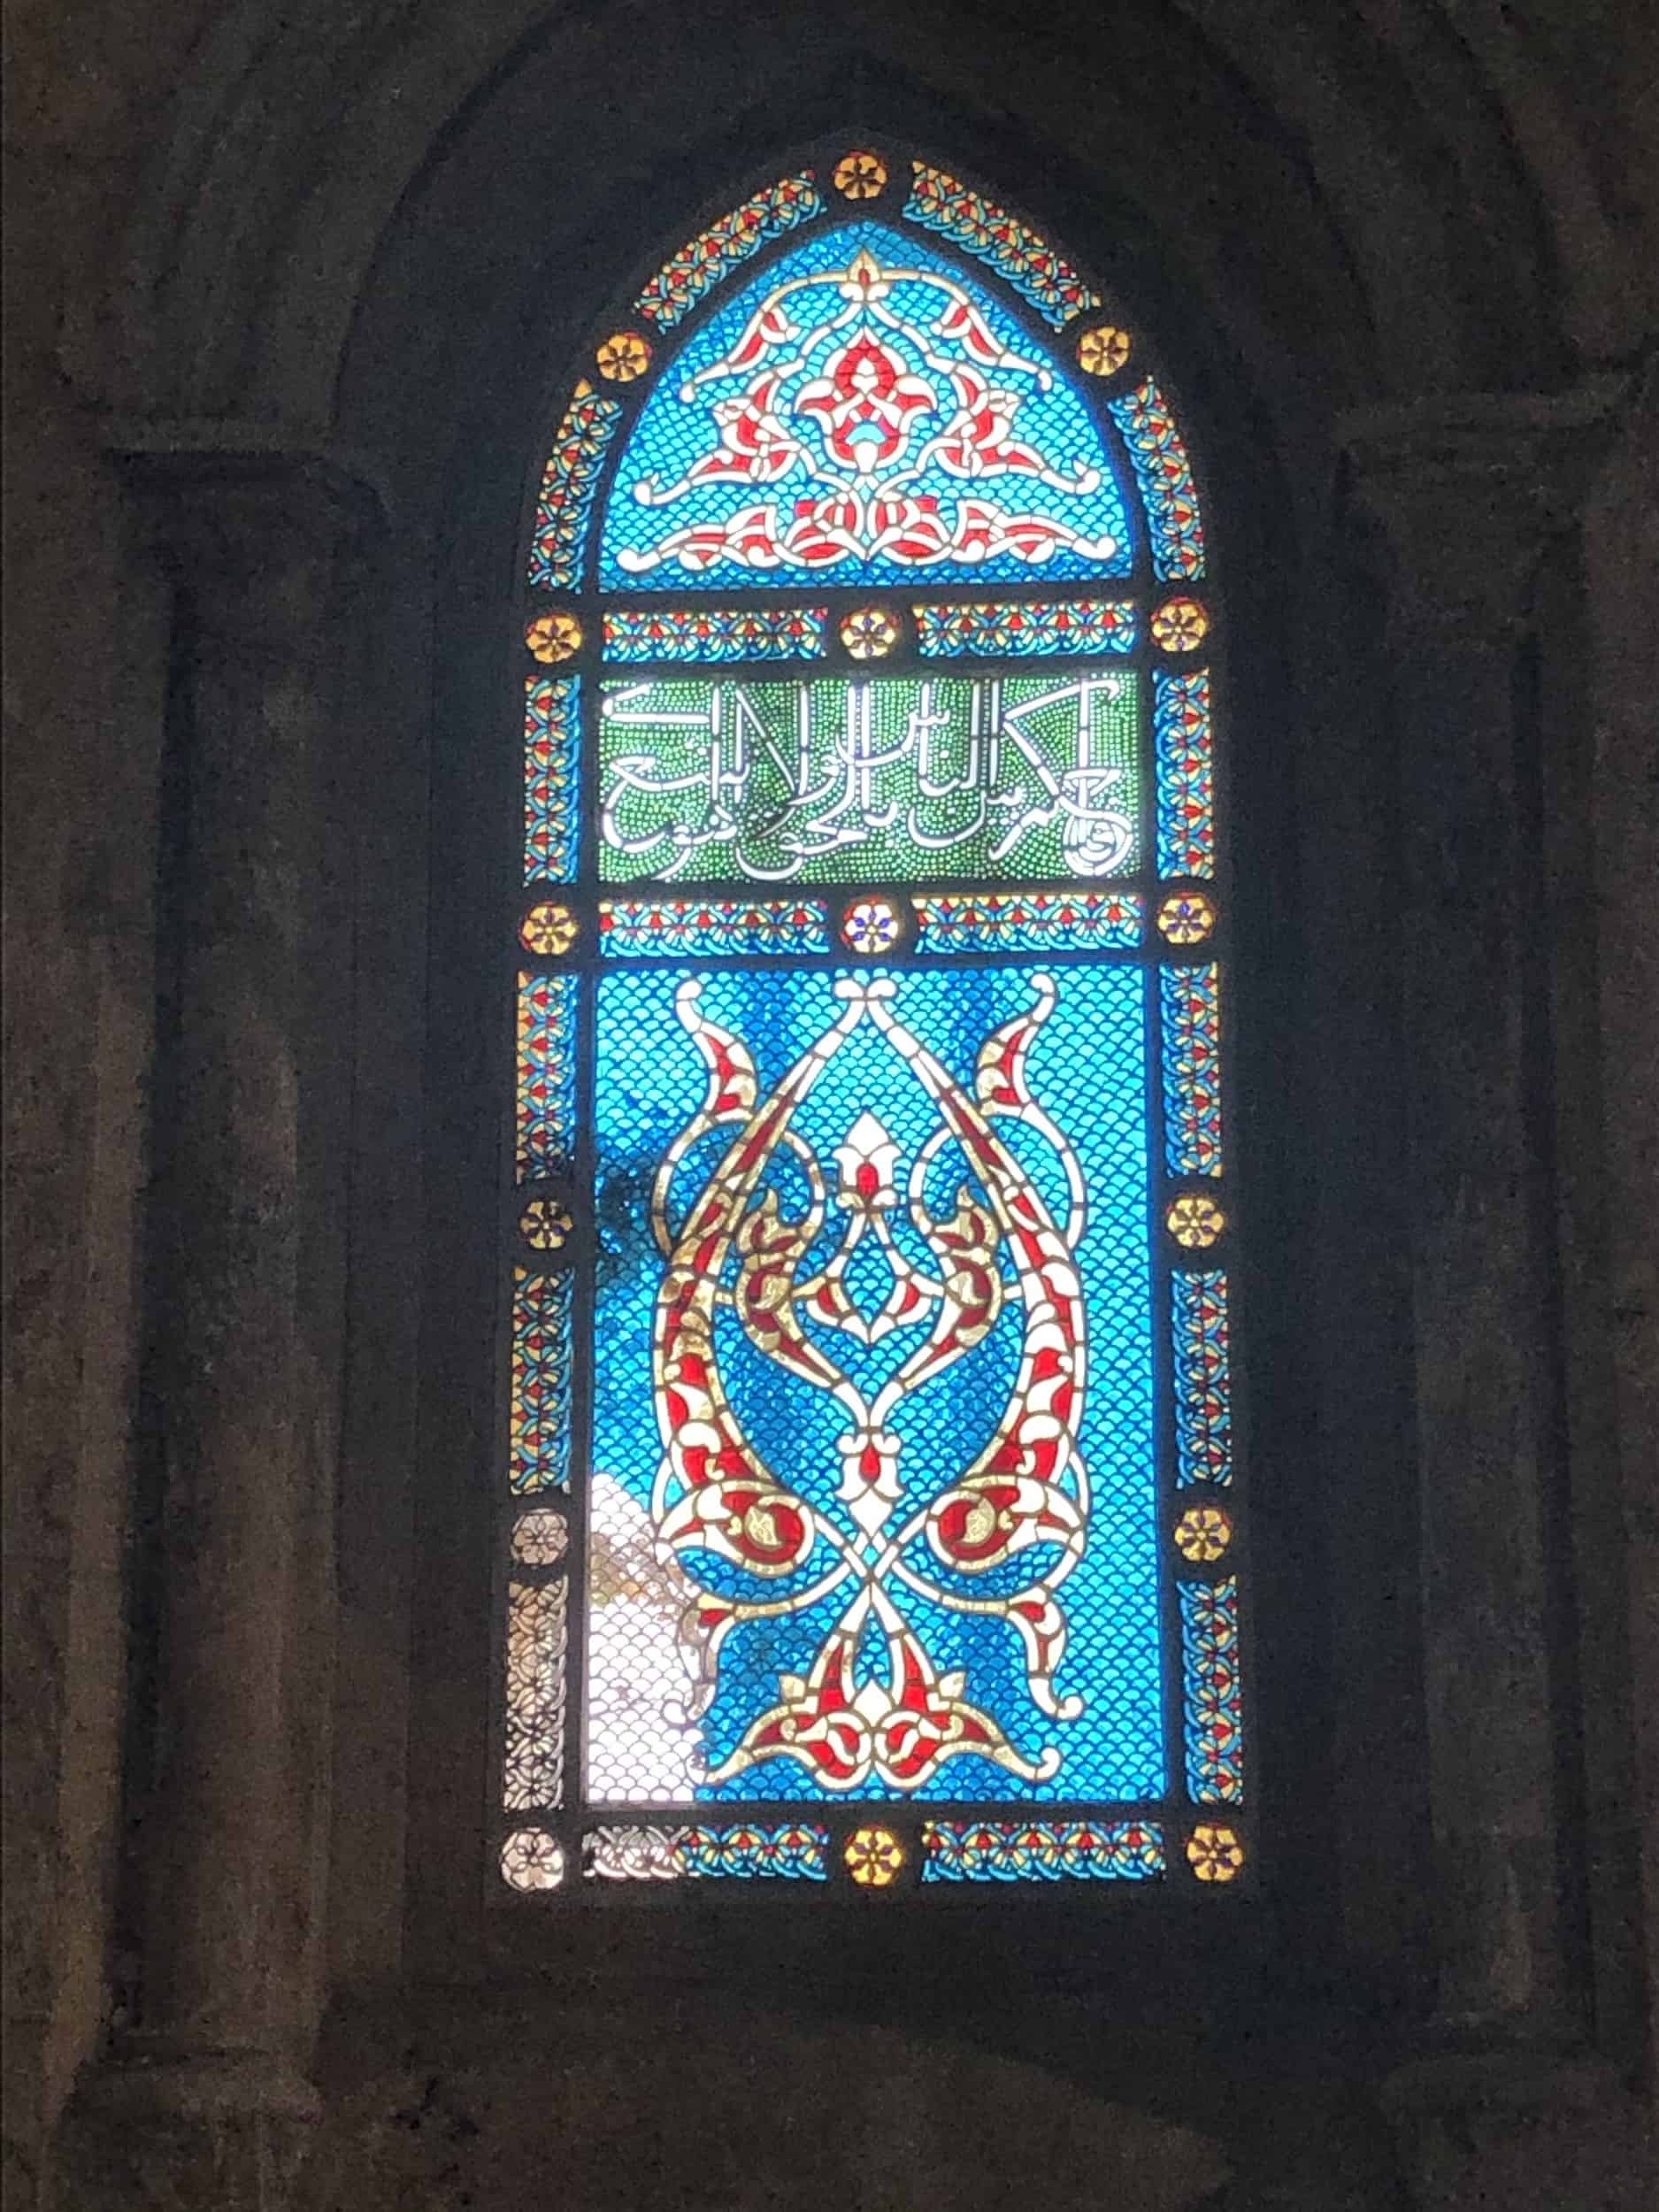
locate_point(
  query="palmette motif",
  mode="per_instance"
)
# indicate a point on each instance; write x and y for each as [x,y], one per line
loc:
[858,413]
[715,1498]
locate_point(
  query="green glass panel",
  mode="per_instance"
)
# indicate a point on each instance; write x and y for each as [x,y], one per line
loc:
[841,779]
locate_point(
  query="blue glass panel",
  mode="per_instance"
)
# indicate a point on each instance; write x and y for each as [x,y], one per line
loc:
[1191,1071]
[568,484]
[1019,628]
[1040,1851]
[810,1454]
[1163,477]
[1203,1389]
[632,929]
[1028,921]
[716,633]
[552,777]
[705,260]
[547,1075]
[863,413]
[988,232]
[1187,797]
[1209,1693]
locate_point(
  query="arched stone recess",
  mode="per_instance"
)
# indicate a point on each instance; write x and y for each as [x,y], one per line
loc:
[375,241]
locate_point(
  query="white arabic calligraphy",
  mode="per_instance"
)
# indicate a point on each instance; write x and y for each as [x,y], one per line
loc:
[782,774]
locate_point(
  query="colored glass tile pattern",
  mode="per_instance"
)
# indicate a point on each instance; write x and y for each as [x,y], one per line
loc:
[864,412]
[547,1075]
[1052,286]
[1187,797]
[548,929]
[1014,628]
[540,1537]
[716,633]
[554,637]
[1028,921]
[1164,475]
[725,245]
[1203,1533]
[1041,1850]
[1210,1704]
[551,783]
[861,176]
[874,1858]
[1191,999]
[1203,1389]
[635,928]
[532,1860]
[668,1854]
[840,779]
[1185,918]
[539,1427]
[1215,1854]
[1195,1221]
[568,484]
[1179,626]
[783,1201]
[872,925]
[533,1756]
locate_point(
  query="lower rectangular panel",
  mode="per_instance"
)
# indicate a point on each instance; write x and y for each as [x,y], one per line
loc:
[872,1508]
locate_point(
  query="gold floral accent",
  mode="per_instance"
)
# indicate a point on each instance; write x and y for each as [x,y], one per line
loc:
[871,925]
[1215,1854]
[1203,1533]
[1186,918]
[530,1859]
[1179,626]
[544,1225]
[1102,351]
[873,1856]
[1194,1220]
[869,633]
[540,1538]
[860,176]
[554,637]
[623,355]
[548,929]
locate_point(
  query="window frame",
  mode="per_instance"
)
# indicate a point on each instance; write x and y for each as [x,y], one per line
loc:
[589,601]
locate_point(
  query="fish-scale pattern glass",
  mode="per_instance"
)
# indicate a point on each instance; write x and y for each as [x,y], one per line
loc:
[1088,1070]
[869,428]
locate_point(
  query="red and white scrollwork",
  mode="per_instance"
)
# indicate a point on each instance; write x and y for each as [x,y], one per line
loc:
[859,409]
[1025,1493]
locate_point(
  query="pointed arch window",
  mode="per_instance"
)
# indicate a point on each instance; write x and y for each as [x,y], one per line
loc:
[868,1499]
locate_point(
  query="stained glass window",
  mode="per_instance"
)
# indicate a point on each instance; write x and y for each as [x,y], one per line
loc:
[872,1512]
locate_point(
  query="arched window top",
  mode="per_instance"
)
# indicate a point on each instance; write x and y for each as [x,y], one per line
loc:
[864,412]
[869,1446]
[867,409]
